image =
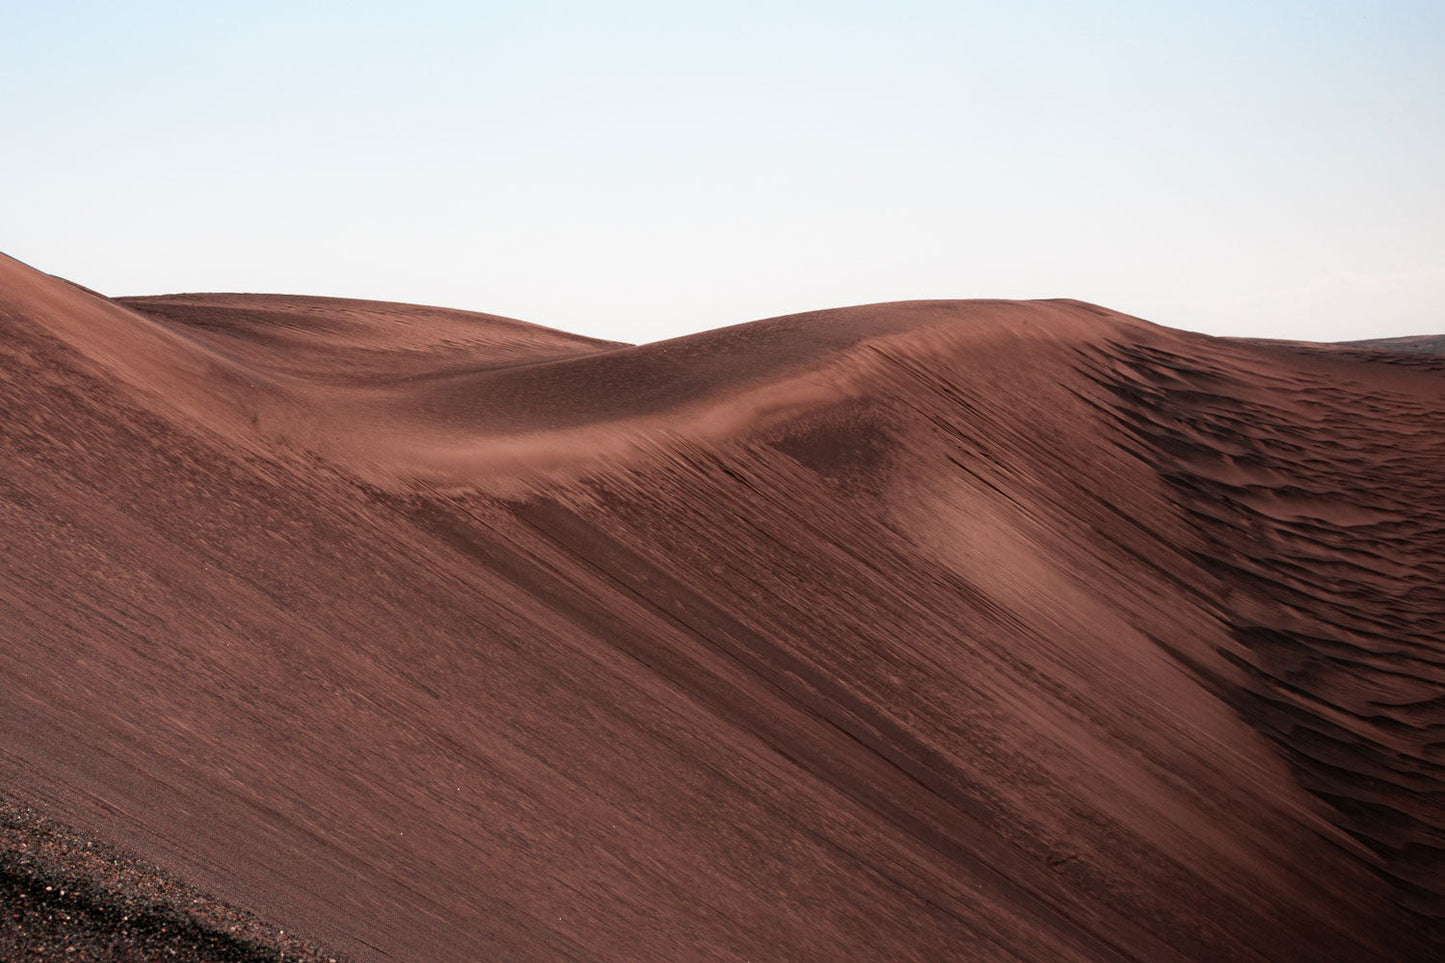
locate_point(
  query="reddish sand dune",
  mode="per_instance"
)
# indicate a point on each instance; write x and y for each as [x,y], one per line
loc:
[921,631]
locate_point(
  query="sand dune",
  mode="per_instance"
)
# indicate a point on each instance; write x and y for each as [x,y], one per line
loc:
[919,631]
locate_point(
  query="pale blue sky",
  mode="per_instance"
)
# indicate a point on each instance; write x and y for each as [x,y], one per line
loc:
[637,170]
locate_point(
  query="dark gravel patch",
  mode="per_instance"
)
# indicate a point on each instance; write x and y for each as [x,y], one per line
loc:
[64,896]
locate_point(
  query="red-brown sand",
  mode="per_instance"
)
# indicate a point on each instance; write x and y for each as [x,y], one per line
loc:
[921,631]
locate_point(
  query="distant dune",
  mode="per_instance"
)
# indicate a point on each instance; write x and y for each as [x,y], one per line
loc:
[975,630]
[1428,343]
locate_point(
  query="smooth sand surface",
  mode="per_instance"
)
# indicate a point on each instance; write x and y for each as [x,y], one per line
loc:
[919,631]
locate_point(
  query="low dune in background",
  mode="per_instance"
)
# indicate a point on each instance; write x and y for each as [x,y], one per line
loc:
[920,631]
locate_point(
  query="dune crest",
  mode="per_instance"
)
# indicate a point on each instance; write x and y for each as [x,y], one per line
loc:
[929,630]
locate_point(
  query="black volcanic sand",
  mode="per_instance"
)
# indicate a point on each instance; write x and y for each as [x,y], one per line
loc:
[66,897]
[979,630]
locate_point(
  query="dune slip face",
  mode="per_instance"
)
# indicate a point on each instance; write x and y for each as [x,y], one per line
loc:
[917,631]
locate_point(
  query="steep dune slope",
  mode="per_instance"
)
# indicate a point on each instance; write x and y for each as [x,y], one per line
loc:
[1314,478]
[939,630]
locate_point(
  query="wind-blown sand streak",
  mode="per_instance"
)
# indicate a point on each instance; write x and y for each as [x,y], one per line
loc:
[919,631]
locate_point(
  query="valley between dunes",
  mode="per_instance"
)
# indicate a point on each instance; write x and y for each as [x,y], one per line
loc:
[972,630]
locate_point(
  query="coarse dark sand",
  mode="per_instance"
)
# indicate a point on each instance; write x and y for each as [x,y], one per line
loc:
[64,896]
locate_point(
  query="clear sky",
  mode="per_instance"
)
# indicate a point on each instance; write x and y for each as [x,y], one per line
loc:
[636,170]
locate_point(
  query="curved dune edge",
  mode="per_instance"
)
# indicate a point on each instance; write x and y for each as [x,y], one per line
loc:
[1002,630]
[399,394]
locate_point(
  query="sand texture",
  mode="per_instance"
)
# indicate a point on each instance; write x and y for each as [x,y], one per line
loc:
[983,631]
